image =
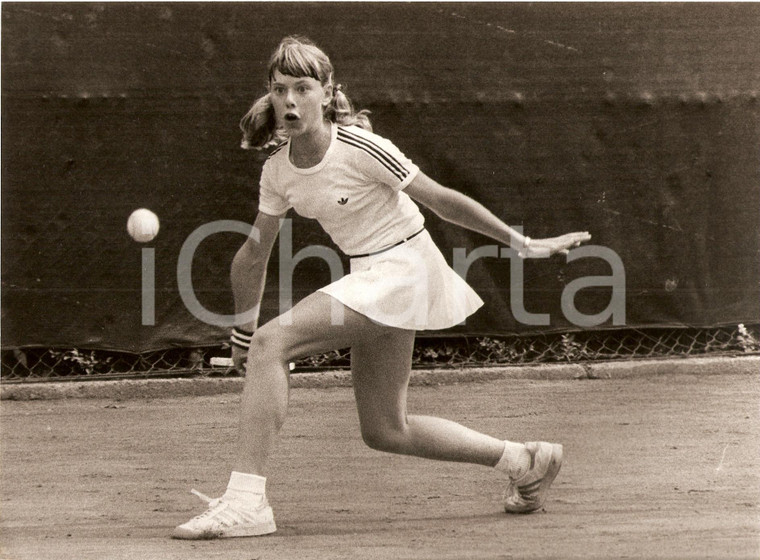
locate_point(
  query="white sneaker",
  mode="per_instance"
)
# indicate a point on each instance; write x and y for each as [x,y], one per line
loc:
[528,493]
[226,518]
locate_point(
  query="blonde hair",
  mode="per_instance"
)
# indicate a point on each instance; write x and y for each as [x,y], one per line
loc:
[297,57]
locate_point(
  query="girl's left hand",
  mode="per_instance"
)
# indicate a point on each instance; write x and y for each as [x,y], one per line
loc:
[541,248]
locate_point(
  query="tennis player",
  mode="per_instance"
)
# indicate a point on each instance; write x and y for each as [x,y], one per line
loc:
[327,164]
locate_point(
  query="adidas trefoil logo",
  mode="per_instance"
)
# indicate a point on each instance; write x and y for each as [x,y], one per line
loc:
[343,201]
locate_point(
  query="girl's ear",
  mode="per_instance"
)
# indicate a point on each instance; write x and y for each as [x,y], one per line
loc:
[328,91]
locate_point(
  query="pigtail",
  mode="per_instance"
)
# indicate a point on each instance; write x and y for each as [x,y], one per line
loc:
[259,126]
[341,111]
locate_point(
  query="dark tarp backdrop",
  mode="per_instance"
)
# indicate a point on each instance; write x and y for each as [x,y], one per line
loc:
[635,121]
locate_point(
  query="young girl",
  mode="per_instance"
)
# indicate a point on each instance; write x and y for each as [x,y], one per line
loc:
[328,165]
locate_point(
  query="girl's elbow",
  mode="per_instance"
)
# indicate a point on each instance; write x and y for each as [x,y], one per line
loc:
[449,207]
[445,213]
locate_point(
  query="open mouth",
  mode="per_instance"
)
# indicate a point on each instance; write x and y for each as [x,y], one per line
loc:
[291,117]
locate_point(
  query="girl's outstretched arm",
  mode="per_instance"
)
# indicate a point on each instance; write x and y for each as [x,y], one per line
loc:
[248,275]
[459,209]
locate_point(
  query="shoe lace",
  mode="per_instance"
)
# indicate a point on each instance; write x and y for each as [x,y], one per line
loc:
[205,498]
[212,504]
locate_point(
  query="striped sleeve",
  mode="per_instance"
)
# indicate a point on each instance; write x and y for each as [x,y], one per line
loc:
[379,159]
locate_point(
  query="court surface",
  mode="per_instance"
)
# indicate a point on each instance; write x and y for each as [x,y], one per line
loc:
[657,467]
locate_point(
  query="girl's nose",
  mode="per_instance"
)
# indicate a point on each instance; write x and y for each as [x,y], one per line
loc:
[289,99]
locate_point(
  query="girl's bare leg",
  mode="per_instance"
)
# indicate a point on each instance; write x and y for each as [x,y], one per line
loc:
[265,394]
[381,365]
[381,369]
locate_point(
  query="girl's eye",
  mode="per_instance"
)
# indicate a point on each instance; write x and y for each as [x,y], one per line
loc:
[303,89]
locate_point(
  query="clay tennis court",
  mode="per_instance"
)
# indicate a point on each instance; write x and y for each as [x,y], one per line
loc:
[663,466]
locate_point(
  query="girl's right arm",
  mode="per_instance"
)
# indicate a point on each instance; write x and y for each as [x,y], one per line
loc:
[248,276]
[459,209]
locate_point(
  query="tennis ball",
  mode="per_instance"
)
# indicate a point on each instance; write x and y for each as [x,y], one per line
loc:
[142,225]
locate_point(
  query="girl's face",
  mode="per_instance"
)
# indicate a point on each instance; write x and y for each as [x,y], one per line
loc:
[298,103]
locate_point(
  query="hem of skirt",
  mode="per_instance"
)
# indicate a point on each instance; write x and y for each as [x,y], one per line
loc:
[427,327]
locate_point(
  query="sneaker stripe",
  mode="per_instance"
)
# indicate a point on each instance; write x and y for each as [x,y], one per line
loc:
[226,519]
[535,485]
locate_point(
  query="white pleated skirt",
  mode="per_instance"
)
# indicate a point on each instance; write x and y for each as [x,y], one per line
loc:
[410,286]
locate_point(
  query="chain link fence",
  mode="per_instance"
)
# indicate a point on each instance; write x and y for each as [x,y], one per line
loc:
[37,364]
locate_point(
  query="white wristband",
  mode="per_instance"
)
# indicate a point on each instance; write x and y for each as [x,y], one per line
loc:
[523,252]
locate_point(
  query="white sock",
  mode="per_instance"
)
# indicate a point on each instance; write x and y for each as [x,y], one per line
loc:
[246,488]
[515,460]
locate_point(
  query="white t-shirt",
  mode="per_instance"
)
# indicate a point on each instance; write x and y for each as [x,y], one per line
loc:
[355,192]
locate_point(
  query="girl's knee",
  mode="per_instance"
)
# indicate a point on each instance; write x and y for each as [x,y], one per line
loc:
[384,438]
[266,345]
